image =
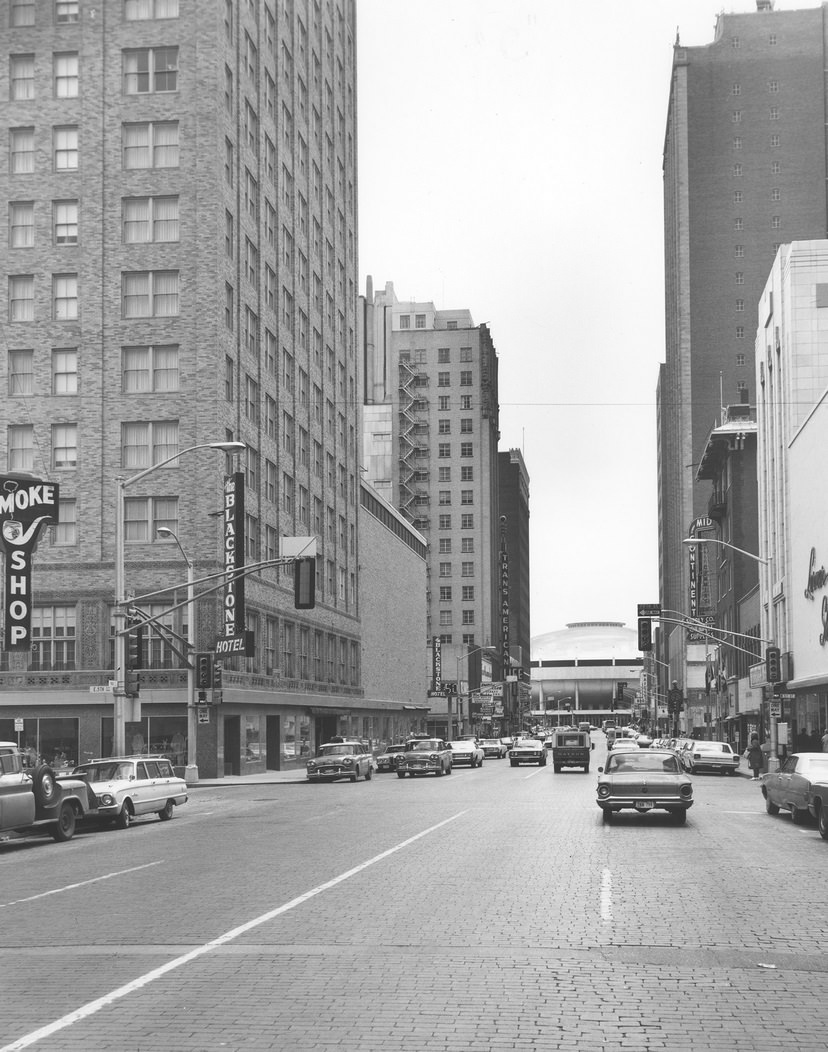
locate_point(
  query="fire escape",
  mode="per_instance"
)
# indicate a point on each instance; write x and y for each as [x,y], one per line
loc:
[413,445]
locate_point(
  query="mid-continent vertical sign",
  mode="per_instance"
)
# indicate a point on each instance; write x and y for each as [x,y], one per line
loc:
[26,504]
[234,620]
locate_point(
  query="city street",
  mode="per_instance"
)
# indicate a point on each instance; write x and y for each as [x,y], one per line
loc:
[487,910]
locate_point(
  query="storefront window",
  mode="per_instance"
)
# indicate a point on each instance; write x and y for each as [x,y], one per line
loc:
[53,741]
[155,735]
[253,751]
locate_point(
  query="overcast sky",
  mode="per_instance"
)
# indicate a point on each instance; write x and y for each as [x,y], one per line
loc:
[510,157]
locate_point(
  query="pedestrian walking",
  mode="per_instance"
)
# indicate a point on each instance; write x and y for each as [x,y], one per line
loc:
[825,740]
[754,756]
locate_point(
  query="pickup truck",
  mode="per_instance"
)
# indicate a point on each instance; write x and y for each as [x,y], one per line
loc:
[34,801]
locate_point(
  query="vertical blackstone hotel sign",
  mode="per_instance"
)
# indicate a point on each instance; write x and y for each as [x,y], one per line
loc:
[27,504]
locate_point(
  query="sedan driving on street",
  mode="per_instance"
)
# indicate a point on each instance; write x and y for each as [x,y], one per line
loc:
[425,756]
[528,750]
[642,781]
[710,756]
[789,787]
[494,747]
[468,753]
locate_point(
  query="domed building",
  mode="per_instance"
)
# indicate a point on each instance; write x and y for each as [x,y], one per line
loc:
[578,669]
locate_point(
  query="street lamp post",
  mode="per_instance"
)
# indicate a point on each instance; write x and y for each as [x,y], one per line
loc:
[191,771]
[121,483]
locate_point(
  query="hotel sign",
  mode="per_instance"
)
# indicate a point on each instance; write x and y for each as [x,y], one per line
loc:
[26,505]
[234,620]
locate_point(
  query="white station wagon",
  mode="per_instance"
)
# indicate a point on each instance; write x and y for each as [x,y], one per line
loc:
[129,786]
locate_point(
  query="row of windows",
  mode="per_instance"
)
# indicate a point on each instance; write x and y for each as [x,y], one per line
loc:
[144,368]
[774,142]
[466,589]
[144,294]
[444,449]
[467,618]
[144,220]
[466,568]
[446,637]
[67,12]
[739,196]
[735,42]
[773,87]
[146,71]
[739,223]
[773,114]
[466,426]
[738,170]
[419,356]
[466,497]
[466,521]
[444,379]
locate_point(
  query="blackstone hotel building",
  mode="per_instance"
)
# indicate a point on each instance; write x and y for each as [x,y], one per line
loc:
[180,185]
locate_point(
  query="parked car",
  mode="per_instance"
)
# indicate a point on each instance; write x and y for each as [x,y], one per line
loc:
[425,756]
[789,787]
[494,747]
[341,758]
[467,753]
[32,800]
[127,787]
[570,749]
[710,756]
[387,760]
[644,780]
[528,750]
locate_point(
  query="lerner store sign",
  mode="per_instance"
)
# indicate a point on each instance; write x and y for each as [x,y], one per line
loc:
[26,505]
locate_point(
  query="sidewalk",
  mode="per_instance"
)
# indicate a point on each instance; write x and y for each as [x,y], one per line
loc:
[230,781]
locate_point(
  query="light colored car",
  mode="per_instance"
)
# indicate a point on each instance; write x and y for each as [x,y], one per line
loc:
[425,756]
[528,750]
[341,758]
[710,756]
[466,752]
[622,745]
[644,780]
[387,759]
[791,788]
[493,747]
[127,787]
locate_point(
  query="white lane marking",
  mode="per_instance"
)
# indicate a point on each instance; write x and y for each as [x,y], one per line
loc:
[148,977]
[606,897]
[80,884]
[532,775]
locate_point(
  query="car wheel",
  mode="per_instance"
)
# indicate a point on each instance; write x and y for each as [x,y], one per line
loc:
[557,770]
[401,774]
[439,771]
[64,828]
[124,818]
[586,768]
[166,812]
[450,768]
[771,807]
[822,823]
[369,774]
[45,786]
[606,815]
[680,817]
[797,816]
[513,763]
[355,775]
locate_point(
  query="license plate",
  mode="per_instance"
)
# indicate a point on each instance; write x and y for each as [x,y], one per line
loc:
[643,805]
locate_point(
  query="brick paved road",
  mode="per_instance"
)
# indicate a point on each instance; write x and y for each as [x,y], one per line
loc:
[489,910]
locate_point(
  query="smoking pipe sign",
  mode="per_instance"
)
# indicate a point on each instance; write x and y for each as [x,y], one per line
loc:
[26,505]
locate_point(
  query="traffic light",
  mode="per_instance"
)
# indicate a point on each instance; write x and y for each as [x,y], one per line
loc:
[773,671]
[134,654]
[204,671]
[645,633]
[304,584]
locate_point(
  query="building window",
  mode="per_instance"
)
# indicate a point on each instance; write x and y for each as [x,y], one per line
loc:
[773,86]
[467,521]
[466,426]
[776,222]
[21,151]
[149,368]
[467,545]
[443,355]
[22,13]
[774,113]
[776,194]
[149,294]
[21,297]
[64,532]
[444,497]
[150,144]
[146,442]
[405,321]
[64,371]
[740,359]
[141,10]
[737,171]
[20,446]
[445,593]
[466,378]
[445,569]
[419,321]
[65,297]
[144,516]
[444,450]
[466,496]
[65,222]
[21,373]
[66,11]
[443,379]
[467,473]
[149,219]
[776,167]
[444,544]
[468,593]
[741,385]
[150,70]
[65,146]
[53,638]
[774,141]
[21,77]
[738,197]
[466,449]
[736,116]
[64,446]
[736,89]
[740,278]
[738,224]
[737,143]
[740,332]
[65,67]
[21,224]
[444,427]
[739,251]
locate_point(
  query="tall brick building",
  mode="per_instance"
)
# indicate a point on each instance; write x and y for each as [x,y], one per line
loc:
[744,171]
[180,180]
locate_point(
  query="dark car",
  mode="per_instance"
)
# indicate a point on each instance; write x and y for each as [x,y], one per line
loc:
[528,750]
[644,780]
[790,786]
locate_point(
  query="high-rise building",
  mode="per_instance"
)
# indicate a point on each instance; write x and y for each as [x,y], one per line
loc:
[430,435]
[744,171]
[180,184]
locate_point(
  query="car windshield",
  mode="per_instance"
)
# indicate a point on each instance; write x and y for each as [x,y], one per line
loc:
[528,743]
[490,741]
[642,761]
[427,746]
[338,750]
[105,772]
[395,748]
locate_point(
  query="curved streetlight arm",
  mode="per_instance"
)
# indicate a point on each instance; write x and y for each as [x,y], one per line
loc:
[725,544]
[706,631]
[226,447]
